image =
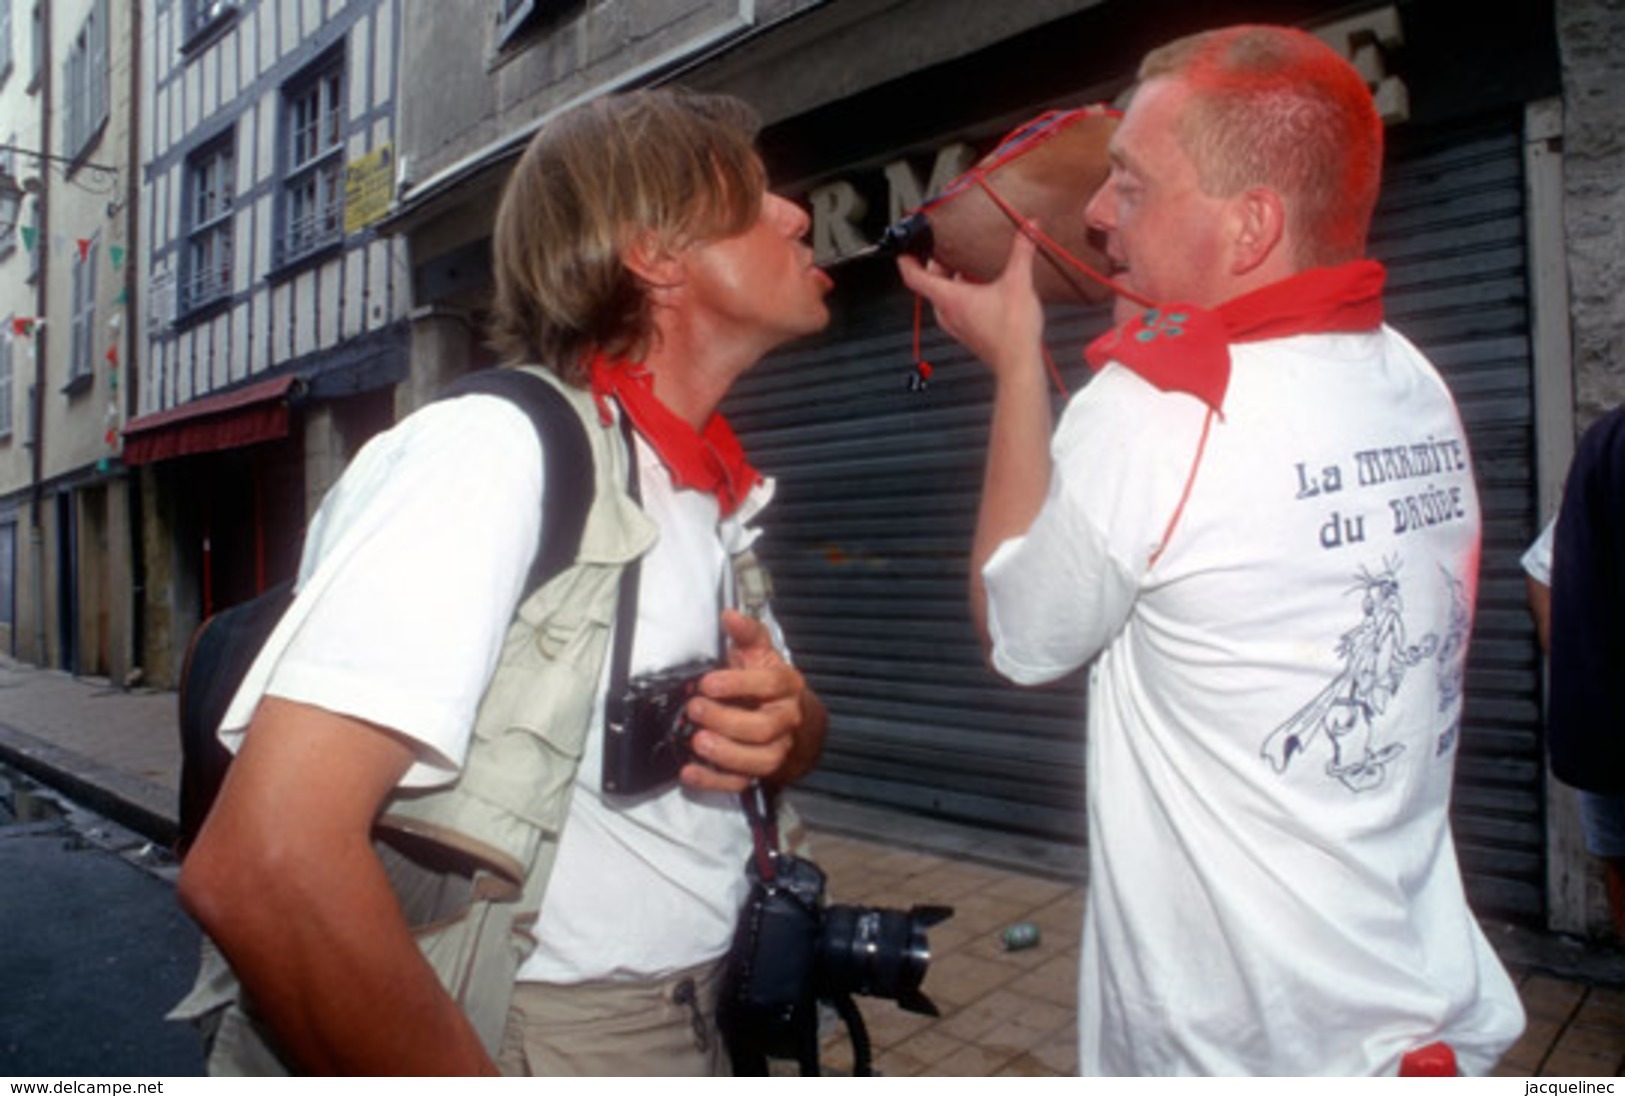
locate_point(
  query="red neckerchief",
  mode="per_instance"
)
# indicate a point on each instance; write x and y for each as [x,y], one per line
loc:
[1181,348]
[711,460]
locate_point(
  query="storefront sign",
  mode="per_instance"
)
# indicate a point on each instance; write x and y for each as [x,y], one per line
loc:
[368,181]
[1365,40]
[841,208]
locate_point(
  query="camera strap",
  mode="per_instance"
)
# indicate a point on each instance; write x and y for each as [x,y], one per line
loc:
[626,607]
[761,808]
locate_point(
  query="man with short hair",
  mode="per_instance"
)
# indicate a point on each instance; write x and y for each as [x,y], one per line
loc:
[1258,522]
[640,257]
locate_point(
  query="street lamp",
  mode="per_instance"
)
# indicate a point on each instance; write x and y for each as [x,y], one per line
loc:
[11,199]
[12,191]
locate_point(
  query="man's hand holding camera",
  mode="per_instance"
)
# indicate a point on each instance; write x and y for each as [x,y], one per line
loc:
[757,719]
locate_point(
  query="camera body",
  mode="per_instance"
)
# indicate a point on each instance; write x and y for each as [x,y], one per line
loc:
[769,997]
[649,745]
[791,951]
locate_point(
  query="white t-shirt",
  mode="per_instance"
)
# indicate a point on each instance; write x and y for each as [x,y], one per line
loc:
[410,573]
[1274,712]
[1537,559]
[651,886]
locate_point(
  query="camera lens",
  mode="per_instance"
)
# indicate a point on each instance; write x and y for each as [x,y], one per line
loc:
[877,952]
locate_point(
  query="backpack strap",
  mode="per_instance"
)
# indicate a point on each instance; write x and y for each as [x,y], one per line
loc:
[567,492]
[224,646]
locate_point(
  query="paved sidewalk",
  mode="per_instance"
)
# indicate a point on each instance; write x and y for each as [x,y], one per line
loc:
[114,750]
[1004,1013]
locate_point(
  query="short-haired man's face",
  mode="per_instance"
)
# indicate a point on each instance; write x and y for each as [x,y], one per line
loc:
[1165,238]
[760,285]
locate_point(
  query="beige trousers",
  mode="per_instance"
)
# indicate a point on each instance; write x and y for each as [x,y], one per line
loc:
[666,1028]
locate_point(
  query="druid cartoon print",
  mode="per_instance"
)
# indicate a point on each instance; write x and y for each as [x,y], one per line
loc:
[1453,650]
[1375,660]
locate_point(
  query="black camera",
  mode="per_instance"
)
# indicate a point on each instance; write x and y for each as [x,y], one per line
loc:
[648,743]
[791,951]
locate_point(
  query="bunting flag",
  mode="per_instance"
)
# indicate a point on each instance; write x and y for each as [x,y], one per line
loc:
[84,249]
[22,325]
[112,354]
[111,437]
[103,465]
[30,236]
[116,253]
[123,296]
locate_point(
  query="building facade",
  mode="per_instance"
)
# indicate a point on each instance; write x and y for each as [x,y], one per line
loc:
[21,72]
[272,333]
[65,532]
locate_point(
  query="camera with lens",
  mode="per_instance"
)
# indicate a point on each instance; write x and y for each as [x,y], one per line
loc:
[791,951]
[649,743]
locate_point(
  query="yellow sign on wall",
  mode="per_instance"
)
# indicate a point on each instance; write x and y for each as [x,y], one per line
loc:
[368,183]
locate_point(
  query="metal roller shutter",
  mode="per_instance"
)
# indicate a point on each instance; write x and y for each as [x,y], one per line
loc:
[868,545]
[878,486]
[1451,230]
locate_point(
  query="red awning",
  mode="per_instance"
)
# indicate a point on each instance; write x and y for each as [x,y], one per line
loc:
[255,413]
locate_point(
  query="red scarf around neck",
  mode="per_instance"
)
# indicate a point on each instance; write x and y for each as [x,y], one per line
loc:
[1181,348]
[709,460]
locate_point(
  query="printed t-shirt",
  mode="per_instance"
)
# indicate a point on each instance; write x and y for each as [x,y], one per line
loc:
[1273,715]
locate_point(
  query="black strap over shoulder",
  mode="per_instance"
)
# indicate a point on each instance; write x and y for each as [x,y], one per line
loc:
[225,645]
[567,464]
[626,606]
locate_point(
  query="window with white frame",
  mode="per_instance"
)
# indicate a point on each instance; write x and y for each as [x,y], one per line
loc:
[7,342]
[313,175]
[84,81]
[82,352]
[201,14]
[512,15]
[211,179]
[5,39]
[36,59]
[8,165]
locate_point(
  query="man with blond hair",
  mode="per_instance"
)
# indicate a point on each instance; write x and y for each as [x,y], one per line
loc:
[1258,522]
[638,256]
